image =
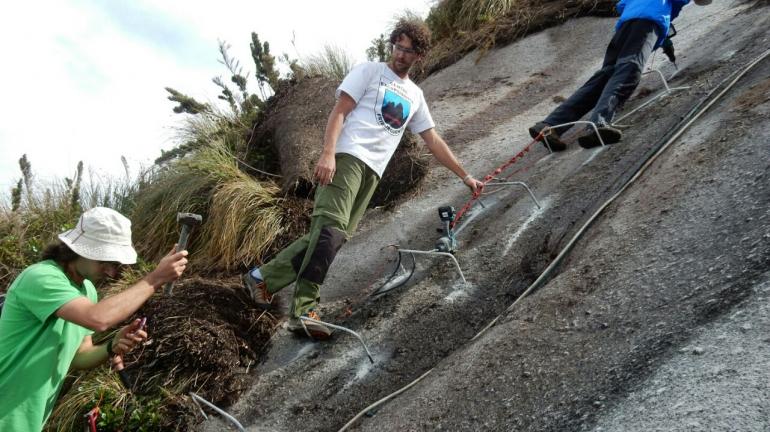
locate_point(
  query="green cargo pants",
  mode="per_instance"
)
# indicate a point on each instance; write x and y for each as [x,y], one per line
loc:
[338,208]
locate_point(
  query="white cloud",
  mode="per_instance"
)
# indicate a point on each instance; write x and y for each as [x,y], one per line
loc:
[84,80]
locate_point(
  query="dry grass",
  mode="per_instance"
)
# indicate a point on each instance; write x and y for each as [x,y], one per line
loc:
[332,62]
[242,216]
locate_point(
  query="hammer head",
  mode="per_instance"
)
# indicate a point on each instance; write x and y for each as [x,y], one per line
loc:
[189,219]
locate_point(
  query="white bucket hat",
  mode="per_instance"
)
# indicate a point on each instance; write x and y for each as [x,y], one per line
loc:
[102,234]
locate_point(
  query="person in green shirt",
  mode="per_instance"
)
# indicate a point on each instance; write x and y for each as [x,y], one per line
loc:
[51,311]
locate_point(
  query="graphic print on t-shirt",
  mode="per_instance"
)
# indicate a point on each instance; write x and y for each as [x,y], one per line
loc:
[393,107]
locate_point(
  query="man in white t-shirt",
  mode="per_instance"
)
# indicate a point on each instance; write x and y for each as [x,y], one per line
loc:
[375,103]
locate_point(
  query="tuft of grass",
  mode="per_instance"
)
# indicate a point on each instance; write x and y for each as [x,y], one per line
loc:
[119,409]
[98,387]
[332,62]
[248,220]
[242,216]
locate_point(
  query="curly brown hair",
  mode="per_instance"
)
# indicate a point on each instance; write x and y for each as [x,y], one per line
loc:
[414,29]
[59,252]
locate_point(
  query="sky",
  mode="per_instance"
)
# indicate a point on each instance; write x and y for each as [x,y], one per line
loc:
[83,80]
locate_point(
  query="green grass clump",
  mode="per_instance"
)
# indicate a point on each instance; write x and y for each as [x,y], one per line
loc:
[119,409]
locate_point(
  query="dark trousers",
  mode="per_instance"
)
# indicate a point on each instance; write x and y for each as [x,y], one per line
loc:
[607,90]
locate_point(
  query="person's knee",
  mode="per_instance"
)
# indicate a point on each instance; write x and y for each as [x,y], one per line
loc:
[330,240]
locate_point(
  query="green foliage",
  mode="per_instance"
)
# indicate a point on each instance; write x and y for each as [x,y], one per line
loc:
[26,172]
[119,410]
[233,127]
[16,195]
[74,189]
[243,102]
[264,62]
[186,103]
[378,50]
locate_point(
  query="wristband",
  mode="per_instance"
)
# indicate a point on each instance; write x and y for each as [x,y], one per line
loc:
[467,176]
[109,347]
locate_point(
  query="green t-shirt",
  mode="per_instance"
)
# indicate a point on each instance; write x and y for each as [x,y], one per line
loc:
[36,346]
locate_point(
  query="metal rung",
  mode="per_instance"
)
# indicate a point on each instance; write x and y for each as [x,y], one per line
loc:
[668,90]
[345,329]
[592,124]
[435,252]
[518,183]
[221,412]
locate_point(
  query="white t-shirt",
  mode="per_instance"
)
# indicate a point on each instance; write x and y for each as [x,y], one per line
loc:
[385,105]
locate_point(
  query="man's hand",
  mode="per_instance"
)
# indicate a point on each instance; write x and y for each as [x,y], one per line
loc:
[475,185]
[169,268]
[127,338]
[325,168]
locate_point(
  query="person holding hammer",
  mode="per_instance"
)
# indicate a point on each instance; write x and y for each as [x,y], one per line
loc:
[376,102]
[51,311]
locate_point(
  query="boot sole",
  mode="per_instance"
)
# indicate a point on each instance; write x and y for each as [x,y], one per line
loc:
[300,331]
[609,136]
[555,144]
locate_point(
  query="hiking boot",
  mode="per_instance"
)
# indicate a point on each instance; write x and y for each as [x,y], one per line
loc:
[554,140]
[609,135]
[314,330]
[257,289]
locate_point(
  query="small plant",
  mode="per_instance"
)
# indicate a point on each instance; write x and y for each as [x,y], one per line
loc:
[378,50]
[332,62]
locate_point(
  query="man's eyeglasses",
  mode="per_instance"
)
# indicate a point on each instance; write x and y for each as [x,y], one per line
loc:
[404,49]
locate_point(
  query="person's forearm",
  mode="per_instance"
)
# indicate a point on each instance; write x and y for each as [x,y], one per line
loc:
[90,358]
[333,130]
[119,307]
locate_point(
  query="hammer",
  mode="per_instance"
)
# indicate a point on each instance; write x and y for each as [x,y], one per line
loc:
[189,221]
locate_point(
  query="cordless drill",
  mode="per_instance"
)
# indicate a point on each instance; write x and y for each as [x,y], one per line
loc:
[447,242]
[668,45]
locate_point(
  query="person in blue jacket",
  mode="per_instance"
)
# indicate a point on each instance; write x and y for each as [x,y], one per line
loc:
[642,28]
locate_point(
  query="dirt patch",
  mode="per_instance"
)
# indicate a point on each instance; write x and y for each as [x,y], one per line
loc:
[753,97]
[203,339]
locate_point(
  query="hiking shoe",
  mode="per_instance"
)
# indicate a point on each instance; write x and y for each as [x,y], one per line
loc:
[257,289]
[609,135]
[554,140]
[314,330]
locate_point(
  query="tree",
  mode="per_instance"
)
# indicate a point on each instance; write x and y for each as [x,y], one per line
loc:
[186,103]
[16,195]
[378,50]
[264,63]
[75,191]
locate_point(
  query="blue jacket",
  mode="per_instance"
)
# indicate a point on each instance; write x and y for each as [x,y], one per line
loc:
[662,12]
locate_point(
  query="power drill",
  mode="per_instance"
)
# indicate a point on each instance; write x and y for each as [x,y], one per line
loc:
[668,49]
[447,242]
[668,45]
